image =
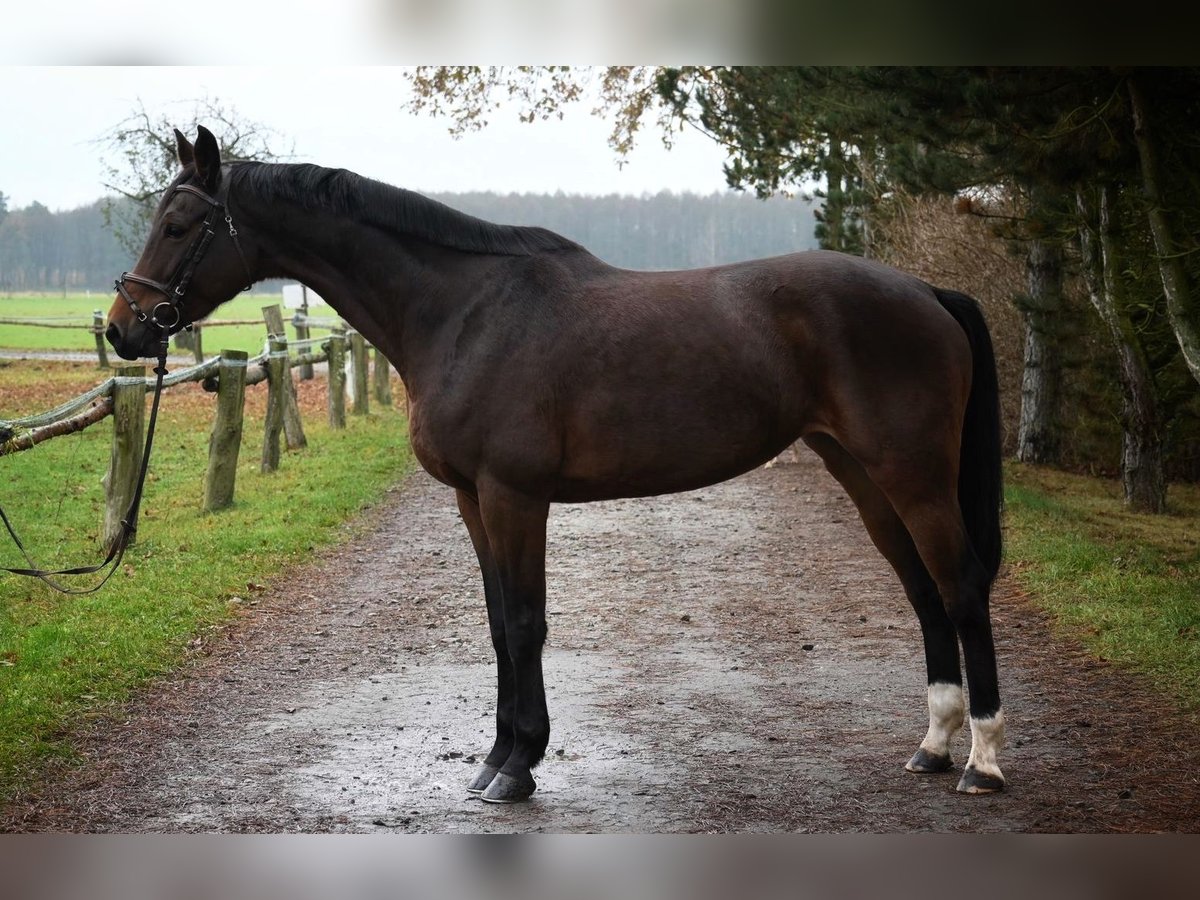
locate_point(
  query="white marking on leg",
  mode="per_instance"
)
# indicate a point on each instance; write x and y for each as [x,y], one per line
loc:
[946,713]
[987,737]
[792,450]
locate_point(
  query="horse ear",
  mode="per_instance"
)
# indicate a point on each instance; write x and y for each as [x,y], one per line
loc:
[183,148]
[207,157]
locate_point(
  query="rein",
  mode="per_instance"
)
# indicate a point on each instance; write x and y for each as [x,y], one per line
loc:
[117,549]
[174,291]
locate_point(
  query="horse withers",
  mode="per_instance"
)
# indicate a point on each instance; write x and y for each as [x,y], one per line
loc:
[536,373]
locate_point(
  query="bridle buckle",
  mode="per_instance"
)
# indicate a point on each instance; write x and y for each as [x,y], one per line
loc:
[154,319]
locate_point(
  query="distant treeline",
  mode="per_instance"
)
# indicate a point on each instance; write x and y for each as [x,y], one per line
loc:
[68,251]
[664,231]
[72,251]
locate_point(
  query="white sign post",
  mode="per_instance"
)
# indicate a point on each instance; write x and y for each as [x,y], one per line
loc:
[297,296]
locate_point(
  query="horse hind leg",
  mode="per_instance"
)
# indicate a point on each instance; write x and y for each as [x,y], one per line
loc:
[891,538]
[934,520]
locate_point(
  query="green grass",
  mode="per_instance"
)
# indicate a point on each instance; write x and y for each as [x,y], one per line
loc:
[65,660]
[28,337]
[1128,585]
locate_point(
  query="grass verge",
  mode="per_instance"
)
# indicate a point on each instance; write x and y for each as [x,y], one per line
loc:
[1127,584]
[64,660]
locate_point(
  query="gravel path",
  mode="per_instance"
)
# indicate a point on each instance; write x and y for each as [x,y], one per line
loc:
[737,658]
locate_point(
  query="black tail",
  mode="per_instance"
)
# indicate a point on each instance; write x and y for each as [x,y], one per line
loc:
[980,479]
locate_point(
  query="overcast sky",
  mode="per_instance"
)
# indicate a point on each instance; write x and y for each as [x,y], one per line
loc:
[344,117]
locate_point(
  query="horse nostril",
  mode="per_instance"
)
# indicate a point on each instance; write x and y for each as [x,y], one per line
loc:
[113,333]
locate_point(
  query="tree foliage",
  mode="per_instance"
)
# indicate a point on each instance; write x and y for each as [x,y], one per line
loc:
[470,95]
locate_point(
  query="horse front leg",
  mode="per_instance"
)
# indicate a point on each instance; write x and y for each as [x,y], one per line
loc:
[468,506]
[516,531]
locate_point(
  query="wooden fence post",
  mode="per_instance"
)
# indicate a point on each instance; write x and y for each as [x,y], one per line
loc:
[276,391]
[98,329]
[225,440]
[300,323]
[197,347]
[358,362]
[337,377]
[383,379]
[129,412]
[293,428]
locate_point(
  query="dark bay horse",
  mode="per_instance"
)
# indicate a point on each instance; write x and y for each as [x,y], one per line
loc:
[537,374]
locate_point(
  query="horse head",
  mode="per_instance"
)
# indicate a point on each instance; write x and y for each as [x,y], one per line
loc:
[193,260]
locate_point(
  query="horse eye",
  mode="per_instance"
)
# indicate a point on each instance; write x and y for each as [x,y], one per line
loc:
[174,230]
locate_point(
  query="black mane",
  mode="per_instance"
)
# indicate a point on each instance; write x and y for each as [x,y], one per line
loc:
[391,208]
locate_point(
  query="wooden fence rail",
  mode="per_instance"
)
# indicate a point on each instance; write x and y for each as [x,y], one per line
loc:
[26,440]
[123,397]
[192,339]
[79,322]
[75,322]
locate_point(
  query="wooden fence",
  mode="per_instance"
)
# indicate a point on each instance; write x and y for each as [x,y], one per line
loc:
[227,375]
[192,339]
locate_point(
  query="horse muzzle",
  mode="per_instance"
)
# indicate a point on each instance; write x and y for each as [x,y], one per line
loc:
[133,340]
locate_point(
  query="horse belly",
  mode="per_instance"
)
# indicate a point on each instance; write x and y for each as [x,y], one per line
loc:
[670,441]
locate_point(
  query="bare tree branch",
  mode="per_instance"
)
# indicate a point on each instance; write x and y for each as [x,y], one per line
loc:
[138,155]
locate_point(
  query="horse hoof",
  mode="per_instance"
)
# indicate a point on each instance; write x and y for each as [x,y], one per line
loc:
[482,779]
[507,788]
[925,763]
[975,782]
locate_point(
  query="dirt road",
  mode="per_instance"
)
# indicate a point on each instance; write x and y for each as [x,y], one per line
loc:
[737,658]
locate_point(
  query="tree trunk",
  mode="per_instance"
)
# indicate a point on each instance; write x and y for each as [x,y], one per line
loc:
[1039,433]
[870,199]
[835,198]
[1141,441]
[1183,311]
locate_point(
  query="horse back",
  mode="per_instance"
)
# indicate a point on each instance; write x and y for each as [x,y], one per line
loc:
[600,382]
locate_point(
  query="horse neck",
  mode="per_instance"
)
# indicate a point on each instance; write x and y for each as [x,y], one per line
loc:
[395,291]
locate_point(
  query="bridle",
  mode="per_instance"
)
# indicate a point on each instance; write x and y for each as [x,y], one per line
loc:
[175,289]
